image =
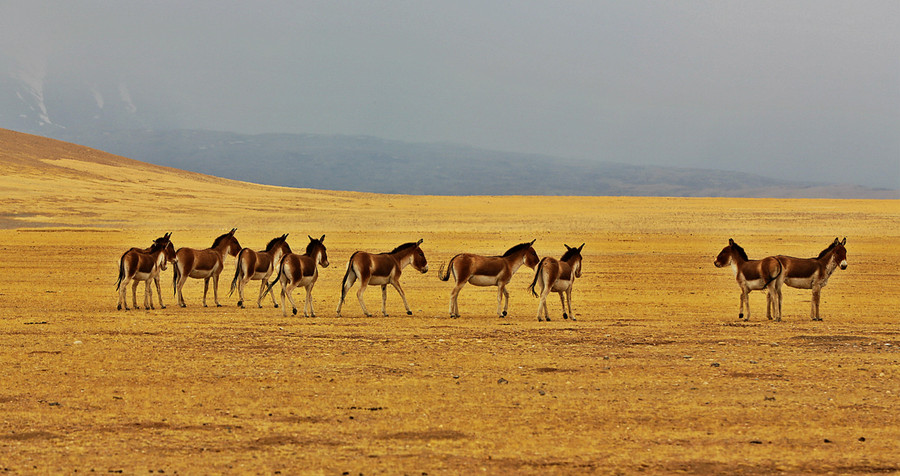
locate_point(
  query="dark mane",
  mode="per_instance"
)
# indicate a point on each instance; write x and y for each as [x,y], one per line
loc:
[740,251]
[274,242]
[517,248]
[219,240]
[404,246]
[826,250]
[570,253]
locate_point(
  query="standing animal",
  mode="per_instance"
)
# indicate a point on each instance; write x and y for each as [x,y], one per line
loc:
[381,269]
[813,273]
[258,265]
[557,276]
[487,271]
[300,270]
[752,275]
[204,264]
[145,265]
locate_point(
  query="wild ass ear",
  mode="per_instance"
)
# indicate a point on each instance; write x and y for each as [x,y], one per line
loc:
[419,242]
[567,246]
[284,236]
[581,247]
[730,241]
[532,241]
[311,238]
[844,241]
[322,238]
[232,231]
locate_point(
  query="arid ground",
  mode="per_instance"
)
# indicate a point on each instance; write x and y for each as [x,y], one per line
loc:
[657,375]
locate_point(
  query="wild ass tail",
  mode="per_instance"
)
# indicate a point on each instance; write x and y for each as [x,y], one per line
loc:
[537,274]
[237,273]
[777,275]
[446,277]
[277,277]
[121,272]
[175,275]
[347,276]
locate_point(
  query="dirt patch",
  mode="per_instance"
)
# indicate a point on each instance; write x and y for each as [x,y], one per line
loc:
[29,436]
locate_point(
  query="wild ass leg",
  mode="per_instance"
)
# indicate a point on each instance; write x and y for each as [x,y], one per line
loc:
[205,290]
[215,280]
[562,300]
[542,304]
[158,293]
[745,301]
[345,288]
[309,302]
[134,285]
[503,293]
[816,295]
[148,294]
[454,296]
[359,295]
[180,284]
[123,294]
[288,289]
[262,290]
[396,285]
[240,286]
[384,300]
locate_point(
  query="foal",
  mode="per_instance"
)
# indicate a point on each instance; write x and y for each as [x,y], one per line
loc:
[752,275]
[300,270]
[258,265]
[487,271]
[144,265]
[813,273]
[204,264]
[557,276]
[381,269]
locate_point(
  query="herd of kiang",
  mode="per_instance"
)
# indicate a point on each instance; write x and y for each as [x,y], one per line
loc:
[280,264]
[292,270]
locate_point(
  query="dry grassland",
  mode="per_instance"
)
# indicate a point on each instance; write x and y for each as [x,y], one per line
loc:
[657,375]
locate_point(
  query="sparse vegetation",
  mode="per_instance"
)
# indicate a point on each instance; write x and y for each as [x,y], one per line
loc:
[656,376]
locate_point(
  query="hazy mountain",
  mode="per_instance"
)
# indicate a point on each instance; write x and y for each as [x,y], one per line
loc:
[371,164]
[103,114]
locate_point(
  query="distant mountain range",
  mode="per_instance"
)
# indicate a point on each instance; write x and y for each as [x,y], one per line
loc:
[105,116]
[369,164]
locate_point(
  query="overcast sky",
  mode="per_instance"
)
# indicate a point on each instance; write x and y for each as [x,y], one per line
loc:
[793,89]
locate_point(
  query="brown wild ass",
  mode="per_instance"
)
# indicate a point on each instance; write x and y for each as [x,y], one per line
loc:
[381,269]
[557,276]
[258,265]
[145,265]
[300,270]
[752,275]
[204,264]
[487,271]
[813,273]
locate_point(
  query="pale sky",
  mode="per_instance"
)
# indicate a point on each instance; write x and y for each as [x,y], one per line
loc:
[802,90]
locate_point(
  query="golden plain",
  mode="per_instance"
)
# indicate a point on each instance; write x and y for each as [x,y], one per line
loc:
[656,375]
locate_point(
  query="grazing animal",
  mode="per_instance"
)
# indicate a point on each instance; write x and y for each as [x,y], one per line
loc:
[258,265]
[145,265]
[557,276]
[300,270]
[752,275]
[204,264]
[381,269]
[487,271]
[813,273]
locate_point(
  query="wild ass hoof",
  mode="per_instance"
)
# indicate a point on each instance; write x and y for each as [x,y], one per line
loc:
[119,307]
[161,306]
[218,305]
[504,314]
[276,306]
[408,313]
[183,305]
[565,316]
[295,311]
[241,304]
[741,316]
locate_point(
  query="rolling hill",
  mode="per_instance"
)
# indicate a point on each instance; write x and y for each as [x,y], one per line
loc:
[369,164]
